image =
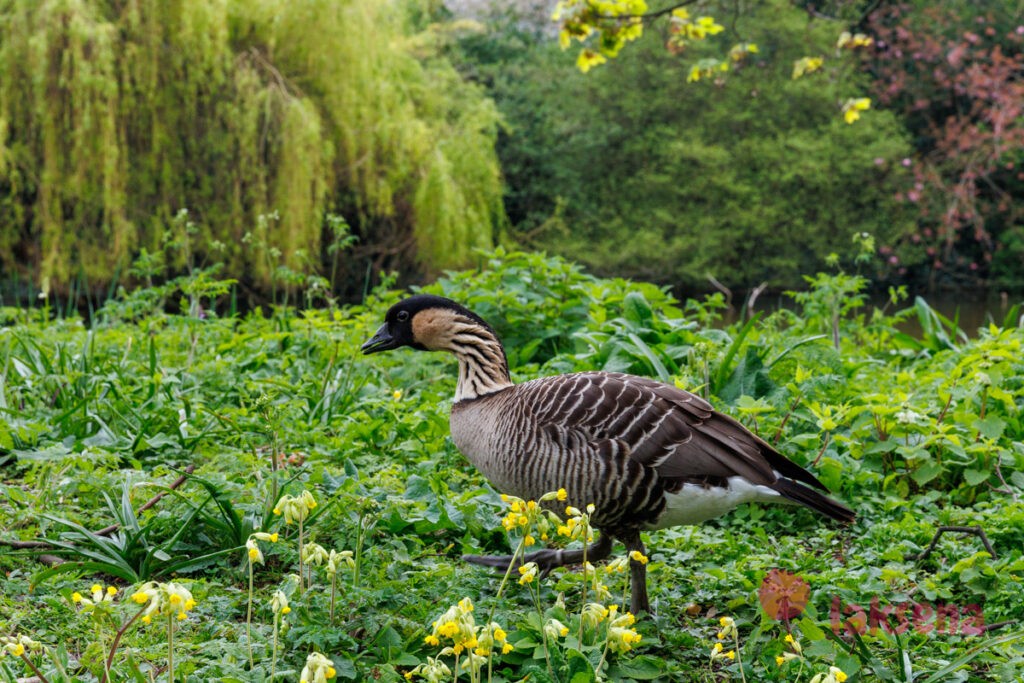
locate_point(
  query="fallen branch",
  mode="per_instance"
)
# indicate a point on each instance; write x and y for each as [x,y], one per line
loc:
[974,530]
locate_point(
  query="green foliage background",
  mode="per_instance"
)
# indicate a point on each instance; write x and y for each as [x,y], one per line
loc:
[754,179]
[913,432]
[114,116]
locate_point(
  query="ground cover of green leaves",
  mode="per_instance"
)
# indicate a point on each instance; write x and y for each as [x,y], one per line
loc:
[912,431]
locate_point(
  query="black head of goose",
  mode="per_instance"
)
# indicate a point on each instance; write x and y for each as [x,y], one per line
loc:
[647,455]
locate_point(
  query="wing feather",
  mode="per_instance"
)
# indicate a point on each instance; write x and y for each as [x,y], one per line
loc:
[676,433]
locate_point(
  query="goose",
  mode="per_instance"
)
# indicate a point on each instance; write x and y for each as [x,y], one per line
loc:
[646,454]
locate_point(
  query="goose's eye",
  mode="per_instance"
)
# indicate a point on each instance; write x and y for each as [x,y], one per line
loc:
[402,316]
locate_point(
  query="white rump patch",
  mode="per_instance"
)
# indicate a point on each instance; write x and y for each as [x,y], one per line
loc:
[694,503]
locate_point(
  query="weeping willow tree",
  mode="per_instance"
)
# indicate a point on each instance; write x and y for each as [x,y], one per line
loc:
[117,114]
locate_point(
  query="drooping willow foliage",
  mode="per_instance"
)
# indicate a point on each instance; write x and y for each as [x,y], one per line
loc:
[117,114]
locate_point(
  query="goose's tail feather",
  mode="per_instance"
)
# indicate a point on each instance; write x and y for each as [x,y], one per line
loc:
[798,493]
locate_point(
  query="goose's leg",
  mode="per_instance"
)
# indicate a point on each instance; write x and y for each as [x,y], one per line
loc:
[637,575]
[548,559]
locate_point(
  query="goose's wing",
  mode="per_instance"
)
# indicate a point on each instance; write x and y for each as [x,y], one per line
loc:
[676,433]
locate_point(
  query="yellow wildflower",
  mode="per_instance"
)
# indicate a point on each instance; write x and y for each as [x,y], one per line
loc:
[638,556]
[806,65]
[853,107]
[588,59]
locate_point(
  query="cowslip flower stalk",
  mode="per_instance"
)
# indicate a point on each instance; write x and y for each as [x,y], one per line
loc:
[580,521]
[719,652]
[334,562]
[255,556]
[296,509]
[797,653]
[279,604]
[313,554]
[171,600]
[98,606]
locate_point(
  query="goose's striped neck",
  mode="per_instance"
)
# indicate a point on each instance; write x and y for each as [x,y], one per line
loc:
[483,367]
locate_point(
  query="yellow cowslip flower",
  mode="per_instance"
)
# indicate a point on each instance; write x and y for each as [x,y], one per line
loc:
[111,591]
[254,552]
[638,556]
[466,605]
[96,588]
[834,675]
[621,639]
[593,613]
[719,652]
[76,597]
[561,494]
[785,657]
[318,669]
[555,629]
[529,540]
[295,508]
[314,553]
[853,107]
[528,572]
[432,640]
[279,603]
[163,599]
[18,650]
[506,648]
[397,395]
[335,560]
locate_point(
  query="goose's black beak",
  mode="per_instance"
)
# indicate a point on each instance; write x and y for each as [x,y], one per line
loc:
[382,341]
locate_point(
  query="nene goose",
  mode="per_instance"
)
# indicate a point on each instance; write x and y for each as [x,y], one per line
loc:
[646,454]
